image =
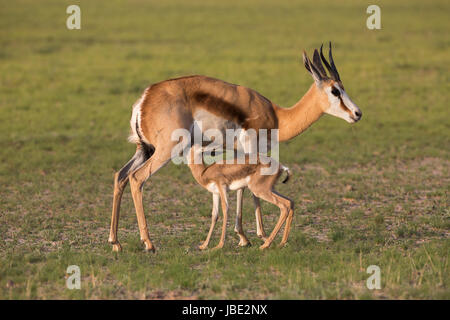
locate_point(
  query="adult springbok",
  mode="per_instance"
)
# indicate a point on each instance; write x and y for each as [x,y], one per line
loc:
[218,178]
[179,103]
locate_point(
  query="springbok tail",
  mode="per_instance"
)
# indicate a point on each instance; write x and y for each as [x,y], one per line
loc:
[288,173]
[137,135]
[143,153]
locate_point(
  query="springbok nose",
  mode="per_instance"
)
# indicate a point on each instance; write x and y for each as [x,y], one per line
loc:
[358,114]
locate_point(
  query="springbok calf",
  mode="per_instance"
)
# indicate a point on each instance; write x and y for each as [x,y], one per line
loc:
[179,103]
[218,178]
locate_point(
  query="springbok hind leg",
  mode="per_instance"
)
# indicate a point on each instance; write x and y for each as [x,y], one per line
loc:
[287,228]
[243,241]
[285,206]
[120,182]
[137,179]
[119,186]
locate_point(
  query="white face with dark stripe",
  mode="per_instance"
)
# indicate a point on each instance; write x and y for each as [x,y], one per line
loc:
[341,105]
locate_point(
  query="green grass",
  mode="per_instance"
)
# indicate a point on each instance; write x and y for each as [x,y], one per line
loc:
[375,193]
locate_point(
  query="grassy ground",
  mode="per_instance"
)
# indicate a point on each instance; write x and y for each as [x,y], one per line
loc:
[375,193]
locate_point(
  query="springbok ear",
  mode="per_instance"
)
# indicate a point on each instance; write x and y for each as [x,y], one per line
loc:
[312,69]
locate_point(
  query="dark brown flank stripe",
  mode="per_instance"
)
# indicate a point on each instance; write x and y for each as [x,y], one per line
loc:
[228,110]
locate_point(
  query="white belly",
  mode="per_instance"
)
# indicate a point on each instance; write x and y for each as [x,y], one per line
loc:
[207,120]
[212,187]
[239,184]
[235,185]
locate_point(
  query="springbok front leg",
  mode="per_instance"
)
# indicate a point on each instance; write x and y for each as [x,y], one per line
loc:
[243,241]
[224,202]
[214,217]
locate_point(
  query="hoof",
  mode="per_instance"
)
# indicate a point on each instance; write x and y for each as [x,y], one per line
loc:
[149,246]
[244,243]
[262,237]
[116,247]
[219,246]
[264,246]
[202,247]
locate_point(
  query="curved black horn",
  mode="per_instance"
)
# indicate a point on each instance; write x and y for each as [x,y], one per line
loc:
[325,62]
[332,69]
[330,55]
[318,64]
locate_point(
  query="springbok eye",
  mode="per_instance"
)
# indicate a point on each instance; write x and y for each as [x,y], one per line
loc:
[335,92]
